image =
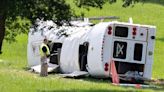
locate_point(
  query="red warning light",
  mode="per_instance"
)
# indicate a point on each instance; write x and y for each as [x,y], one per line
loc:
[134,28]
[106,66]
[134,31]
[109,30]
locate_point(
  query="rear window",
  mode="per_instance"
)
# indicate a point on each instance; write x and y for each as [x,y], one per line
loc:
[121,31]
[138,52]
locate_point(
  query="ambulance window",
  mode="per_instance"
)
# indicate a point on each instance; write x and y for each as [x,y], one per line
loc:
[138,51]
[55,53]
[121,31]
[120,50]
[83,52]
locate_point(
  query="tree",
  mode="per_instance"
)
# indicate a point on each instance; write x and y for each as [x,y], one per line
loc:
[12,11]
[100,3]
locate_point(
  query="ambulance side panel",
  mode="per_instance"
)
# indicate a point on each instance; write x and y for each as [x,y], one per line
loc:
[107,48]
[95,63]
[150,52]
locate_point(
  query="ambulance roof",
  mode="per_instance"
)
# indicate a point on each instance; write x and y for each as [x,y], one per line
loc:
[130,24]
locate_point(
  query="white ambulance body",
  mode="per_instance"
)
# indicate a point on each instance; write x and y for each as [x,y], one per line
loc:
[131,46]
[92,48]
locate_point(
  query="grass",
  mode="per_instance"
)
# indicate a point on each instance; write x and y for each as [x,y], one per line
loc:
[15,78]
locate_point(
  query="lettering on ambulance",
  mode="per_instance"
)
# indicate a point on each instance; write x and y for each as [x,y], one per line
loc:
[120,50]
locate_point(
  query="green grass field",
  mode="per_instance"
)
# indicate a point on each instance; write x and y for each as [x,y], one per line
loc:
[14,76]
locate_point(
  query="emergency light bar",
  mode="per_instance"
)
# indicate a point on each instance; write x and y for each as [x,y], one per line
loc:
[97,18]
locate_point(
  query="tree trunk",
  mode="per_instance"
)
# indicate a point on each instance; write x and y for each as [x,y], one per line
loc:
[2,29]
[3,8]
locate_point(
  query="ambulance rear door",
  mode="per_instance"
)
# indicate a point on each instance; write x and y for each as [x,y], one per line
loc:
[129,43]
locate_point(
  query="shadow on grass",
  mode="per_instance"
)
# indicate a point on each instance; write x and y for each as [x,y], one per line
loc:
[97,80]
[101,90]
[26,68]
[156,88]
[83,90]
[153,87]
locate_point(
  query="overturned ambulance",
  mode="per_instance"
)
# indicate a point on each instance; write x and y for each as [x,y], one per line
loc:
[87,47]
